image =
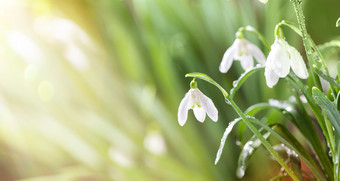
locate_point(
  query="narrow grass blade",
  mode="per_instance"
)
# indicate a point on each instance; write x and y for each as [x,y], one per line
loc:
[292,143]
[224,138]
[238,83]
[208,79]
[328,107]
[327,78]
[248,150]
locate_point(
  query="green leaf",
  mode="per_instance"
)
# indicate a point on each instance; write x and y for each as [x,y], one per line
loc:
[304,124]
[311,135]
[338,70]
[248,123]
[292,26]
[251,111]
[238,83]
[254,109]
[326,77]
[338,101]
[208,79]
[327,107]
[224,138]
[258,34]
[248,150]
[330,44]
[292,143]
[291,157]
[336,157]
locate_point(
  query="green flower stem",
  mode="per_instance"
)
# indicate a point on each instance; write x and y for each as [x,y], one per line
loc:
[193,84]
[309,44]
[330,135]
[305,39]
[247,122]
[310,40]
[323,158]
[256,33]
[279,177]
[262,139]
[314,47]
[337,167]
[278,31]
[316,143]
[330,44]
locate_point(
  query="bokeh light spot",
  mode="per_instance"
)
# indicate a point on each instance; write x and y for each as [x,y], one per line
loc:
[31,73]
[46,91]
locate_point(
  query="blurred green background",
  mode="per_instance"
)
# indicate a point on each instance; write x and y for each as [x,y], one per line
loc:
[89,89]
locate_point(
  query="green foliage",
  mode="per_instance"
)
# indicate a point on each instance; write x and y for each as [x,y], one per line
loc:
[64,120]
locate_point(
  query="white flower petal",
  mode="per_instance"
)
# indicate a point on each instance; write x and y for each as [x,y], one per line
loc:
[263,1]
[227,59]
[279,56]
[240,45]
[297,63]
[247,62]
[199,113]
[271,77]
[256,53]
[183,109]
[209,107]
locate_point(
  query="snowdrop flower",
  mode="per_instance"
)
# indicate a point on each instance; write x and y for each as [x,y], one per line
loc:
[201,104]
[263,1]
[244,51]
[281,57]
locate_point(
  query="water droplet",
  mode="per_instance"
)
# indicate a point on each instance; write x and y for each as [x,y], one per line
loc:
[330,154]
[310,51]
[231,90]
[238,143]
[235,83]
[227,101]
[249,117]
[240,172]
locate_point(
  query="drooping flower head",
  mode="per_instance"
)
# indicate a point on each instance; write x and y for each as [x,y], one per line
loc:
[280,59]
[263,1]
[201,105]
[244,51]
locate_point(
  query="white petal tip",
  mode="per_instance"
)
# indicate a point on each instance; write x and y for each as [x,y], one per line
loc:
[215,119]
[223,69]
[304,77]
[181,122]
[270,86]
